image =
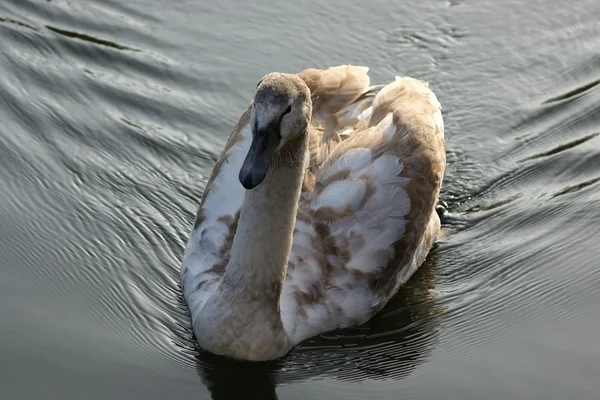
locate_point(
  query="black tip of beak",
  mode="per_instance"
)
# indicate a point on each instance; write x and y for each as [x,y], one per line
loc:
[249,180]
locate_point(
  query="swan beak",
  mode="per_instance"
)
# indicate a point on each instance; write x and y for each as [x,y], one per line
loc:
[255,166]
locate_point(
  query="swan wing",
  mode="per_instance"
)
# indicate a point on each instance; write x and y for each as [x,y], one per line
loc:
[209,244]
[333,90]
[370,219]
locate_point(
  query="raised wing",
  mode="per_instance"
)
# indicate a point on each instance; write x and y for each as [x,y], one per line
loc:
[332,91]
[370,220]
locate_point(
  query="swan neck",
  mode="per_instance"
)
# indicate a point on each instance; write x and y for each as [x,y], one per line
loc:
[264,237]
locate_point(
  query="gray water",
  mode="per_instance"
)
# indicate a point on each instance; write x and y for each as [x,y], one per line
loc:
[112,114]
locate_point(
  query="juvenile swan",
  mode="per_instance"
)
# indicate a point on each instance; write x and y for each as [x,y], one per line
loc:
[321,205]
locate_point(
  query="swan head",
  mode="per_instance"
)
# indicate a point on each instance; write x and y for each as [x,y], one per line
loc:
[280,113]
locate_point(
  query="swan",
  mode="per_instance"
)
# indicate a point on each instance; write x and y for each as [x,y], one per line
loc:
[321,205]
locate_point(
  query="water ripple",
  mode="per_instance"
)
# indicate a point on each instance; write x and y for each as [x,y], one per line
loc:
[113,114]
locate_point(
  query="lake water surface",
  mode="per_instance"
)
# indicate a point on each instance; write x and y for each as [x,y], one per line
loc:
[112,114]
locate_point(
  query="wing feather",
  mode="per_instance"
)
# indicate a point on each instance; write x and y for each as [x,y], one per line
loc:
[207,250]
[332,91]
[371,214]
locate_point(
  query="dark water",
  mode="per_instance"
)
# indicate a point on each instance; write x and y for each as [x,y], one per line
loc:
[112,114]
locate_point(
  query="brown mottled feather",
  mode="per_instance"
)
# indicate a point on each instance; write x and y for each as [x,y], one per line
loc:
[420,146]
[331,90]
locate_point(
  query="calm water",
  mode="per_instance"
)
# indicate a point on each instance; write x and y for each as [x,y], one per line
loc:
[112,116]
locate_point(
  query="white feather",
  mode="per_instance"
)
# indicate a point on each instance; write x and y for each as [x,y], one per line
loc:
[365,114]
[202,249]
[387,126]
[355,159]
[339,194]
